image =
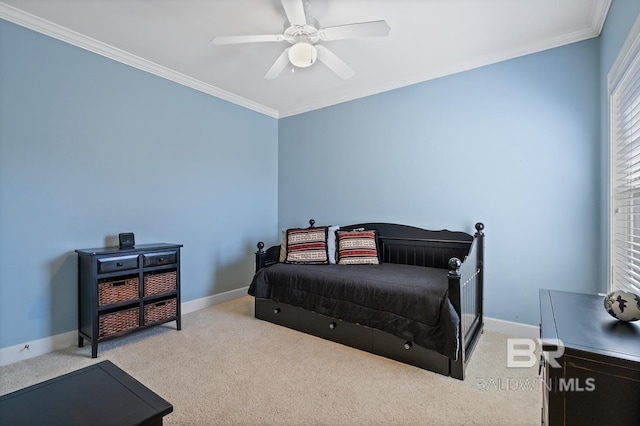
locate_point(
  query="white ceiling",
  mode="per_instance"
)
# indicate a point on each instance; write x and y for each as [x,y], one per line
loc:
[428,39]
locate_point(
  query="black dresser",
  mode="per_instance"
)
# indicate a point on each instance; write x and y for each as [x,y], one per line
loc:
[124,290]
[597,380]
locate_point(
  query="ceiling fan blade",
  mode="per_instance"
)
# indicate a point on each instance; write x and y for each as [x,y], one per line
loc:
[295,12]
[278,65]
[357,30]
[334,63]
[246,39]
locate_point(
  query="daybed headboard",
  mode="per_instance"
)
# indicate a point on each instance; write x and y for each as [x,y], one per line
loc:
[409,245]
[402,244]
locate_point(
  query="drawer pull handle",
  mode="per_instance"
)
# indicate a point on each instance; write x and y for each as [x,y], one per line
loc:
[160,304]
[333,325]
[276,310]
[408,345]
[161,259]
[119,264]
[118,284]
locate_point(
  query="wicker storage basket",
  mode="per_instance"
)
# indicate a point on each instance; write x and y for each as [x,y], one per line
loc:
[159,283]
[159,311]
[119,321]
[117,290]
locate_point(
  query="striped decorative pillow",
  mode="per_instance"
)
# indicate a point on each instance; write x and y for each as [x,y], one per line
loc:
[307,245]
[357,247]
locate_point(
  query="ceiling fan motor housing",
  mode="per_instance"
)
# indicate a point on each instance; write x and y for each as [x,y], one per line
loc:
[294,33]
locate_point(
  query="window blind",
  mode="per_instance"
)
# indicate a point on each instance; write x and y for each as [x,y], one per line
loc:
[624,125]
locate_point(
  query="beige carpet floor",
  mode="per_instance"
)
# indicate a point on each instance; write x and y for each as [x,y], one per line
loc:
[227,368]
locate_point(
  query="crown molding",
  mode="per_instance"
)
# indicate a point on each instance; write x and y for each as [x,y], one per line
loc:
[32,22]
[596,22]
[17,16]
[599,15]
[433,73]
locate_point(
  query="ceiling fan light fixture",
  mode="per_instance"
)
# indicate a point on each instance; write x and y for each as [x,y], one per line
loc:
[303,54]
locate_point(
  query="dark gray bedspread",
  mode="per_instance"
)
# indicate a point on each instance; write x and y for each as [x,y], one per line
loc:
[407,301]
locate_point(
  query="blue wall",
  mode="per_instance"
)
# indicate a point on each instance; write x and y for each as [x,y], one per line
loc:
[89,148]
[518,145]
[514,145]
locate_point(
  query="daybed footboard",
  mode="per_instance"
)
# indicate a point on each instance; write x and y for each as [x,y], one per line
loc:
[402,244]
[466,296]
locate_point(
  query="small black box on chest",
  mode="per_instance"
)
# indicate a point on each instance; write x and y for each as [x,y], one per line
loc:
[126,240]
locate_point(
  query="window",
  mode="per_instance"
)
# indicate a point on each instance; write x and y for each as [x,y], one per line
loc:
[624,155]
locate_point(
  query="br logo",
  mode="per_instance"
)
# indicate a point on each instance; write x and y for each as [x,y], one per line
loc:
[521,353]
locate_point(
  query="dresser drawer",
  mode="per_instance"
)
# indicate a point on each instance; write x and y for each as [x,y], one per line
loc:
[120,263]
[159,259]
[160,311]
[158,283]
[118,322]
[118,289]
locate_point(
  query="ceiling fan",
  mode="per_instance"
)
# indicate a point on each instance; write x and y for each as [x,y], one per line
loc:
[304,36]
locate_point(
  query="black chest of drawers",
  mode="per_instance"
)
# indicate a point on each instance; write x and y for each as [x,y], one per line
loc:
[597,377]
[124,290]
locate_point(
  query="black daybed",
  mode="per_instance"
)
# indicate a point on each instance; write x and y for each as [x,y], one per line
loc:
[416,298]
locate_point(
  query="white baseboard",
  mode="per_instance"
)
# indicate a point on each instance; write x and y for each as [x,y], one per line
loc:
[205,302]
[38,347]
[511,328]
[35,348]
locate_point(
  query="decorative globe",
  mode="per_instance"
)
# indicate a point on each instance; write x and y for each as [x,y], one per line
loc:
[623,305]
